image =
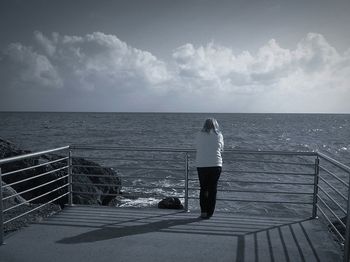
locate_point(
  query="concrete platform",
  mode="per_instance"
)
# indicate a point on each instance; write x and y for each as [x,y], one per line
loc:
[83,233]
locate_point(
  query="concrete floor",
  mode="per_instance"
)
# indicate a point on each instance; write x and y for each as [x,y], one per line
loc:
[84,233]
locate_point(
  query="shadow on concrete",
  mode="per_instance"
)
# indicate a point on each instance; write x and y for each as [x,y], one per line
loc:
[252,238]
[109,232]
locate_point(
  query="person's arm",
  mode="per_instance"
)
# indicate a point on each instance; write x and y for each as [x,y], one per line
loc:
[221,142]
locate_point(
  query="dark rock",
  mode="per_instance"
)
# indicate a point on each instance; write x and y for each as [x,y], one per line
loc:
[170,203]
[81,166]
[113,182]
[8,191]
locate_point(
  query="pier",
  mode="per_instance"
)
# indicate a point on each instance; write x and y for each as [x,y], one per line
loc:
[316,183]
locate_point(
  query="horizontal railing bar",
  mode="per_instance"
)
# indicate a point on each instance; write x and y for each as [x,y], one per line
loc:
[224,170]
[94,184]
[335,162]
[335,190]
[130,168]
[333,213]
[271,152]
[92,166]
[33,167]
[49,202]
[268,172]
[151,187]
[131,160]
[189,150]
[33,177]
[33,188]
[156,178]
[34,198]
[133,177]
[257,191]
[149,168]
[136,149]
[260,201]
[334,175]
[267,162]
[262,182]
[95,194]
[95,175]
[330,222]
[332,199]
[21,157]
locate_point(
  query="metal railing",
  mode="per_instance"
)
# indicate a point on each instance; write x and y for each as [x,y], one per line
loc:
[34,170]
[311,180]
[144,172]
[333,198]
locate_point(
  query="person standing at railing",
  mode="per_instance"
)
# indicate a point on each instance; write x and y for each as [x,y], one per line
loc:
[209,145]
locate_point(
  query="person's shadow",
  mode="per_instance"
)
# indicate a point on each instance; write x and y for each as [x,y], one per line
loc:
[110,232]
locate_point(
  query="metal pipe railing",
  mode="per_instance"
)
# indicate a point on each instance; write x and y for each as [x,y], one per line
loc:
[37,176]
[35,198]
[332,199]
[36,187]
[8,174]
[331,224]
[31,155]
[36,208]
[266,158]
[316,175]
[334,176]
[33,167]
[334,189]
[70,178]
[347,230]
[1,212]
[186,181]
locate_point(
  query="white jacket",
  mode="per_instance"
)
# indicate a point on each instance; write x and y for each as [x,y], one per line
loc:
[209,147]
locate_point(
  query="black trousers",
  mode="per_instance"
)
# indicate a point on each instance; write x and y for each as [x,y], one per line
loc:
[208,180]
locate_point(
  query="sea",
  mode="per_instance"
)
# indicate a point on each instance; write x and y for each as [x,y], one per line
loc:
[35,131]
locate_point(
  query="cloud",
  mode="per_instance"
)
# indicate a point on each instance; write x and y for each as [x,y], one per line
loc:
[26,66]
[313,77]
[272,79]
[93,61]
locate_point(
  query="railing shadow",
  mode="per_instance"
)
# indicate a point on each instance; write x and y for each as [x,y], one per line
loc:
[253,238]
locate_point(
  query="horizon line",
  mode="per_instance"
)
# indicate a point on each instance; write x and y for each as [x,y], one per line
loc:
[173,112]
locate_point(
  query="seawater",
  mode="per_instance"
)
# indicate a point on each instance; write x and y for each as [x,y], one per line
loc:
[328,133]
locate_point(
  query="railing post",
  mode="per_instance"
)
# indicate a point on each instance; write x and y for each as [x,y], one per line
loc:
[347,231]
[315,194]
[1,213]
[70,178]
[186,182]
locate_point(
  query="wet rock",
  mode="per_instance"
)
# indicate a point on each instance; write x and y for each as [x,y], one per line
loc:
[90,185]
[10,198]
[170,203]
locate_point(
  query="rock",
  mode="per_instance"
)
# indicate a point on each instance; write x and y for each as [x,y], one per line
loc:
[170,203]
[113,182]
[12,201]
[21,208]
[8,149]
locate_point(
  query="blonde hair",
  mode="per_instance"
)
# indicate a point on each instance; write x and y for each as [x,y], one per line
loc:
[211,124]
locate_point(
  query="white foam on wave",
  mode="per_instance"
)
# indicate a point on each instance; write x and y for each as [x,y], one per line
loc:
[139,202]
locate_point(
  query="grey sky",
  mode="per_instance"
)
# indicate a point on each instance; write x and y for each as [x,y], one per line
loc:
[182,42]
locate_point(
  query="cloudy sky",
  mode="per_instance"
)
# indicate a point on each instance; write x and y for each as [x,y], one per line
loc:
[175,56]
